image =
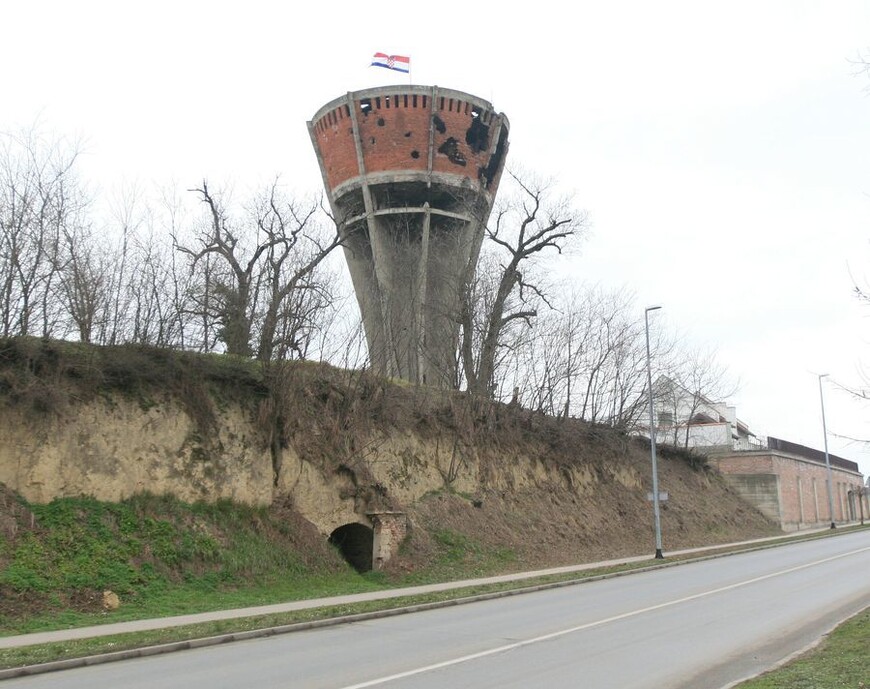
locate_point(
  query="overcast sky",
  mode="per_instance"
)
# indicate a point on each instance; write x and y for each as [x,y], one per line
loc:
[721,149]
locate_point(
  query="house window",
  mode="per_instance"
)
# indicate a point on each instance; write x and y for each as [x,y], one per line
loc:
[666,418]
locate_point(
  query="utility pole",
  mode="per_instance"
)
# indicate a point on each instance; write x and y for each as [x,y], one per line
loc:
[827,456]
[652,439]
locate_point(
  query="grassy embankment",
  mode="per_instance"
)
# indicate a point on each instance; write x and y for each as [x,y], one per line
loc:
[164,557]
[841,660]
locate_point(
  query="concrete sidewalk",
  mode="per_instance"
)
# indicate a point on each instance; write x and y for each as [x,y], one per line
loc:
[181,620]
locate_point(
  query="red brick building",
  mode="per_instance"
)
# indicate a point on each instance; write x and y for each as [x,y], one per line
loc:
[788,483]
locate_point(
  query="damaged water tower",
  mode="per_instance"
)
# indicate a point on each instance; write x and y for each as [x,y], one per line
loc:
[411,173]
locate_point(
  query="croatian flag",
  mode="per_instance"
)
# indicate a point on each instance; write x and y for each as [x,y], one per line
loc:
[400,63]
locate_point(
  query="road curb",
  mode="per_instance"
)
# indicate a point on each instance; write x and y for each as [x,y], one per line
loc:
[174,646]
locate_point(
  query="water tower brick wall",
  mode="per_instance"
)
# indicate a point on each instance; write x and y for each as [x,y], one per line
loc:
[394,136]
[384,144]
[334,133]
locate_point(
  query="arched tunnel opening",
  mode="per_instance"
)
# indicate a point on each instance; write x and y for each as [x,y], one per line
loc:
[355,542]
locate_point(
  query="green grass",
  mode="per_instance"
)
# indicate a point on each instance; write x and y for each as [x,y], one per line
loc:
[841,660]
[185,599]
[459,552]
[162,557]
[42,653]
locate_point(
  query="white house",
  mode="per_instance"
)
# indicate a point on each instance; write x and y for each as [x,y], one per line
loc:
[690,419]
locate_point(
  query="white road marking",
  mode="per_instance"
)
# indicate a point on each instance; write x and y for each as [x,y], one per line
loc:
[589,625]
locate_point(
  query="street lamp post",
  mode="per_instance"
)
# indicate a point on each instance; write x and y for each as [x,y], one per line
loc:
[652,439]
[827,456]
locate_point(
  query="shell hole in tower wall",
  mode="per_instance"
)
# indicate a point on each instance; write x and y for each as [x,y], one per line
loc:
[477,136]
[355,543]
[488,173]
[450,148]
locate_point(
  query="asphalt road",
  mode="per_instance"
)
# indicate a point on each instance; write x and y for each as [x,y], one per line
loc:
[699,625]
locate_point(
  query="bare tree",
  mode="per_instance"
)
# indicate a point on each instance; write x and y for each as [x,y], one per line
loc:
[83,281]
[129,214]
[548,363]
[541,372]
[259,273]
[586,357]
[526,226]
[694,385]
[609,366]
[477,305]
[294,292]
[41,200]
[235,284]
[161,311]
